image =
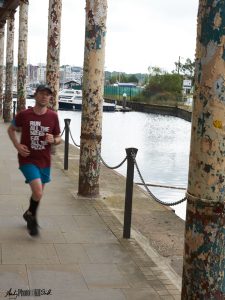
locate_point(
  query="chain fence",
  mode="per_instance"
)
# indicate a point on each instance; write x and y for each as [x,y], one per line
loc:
[73,138]
[106,165]
[133,155]
[62,131]
[99,154]
[148,190]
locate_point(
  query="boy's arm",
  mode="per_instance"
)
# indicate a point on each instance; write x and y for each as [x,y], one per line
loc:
[22,149]
[57,139]
[12,135]
[53,139]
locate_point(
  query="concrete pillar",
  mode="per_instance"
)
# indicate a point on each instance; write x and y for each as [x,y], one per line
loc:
[204,263]
[2,42]
[93,84]
[7,107]
[22,55]
[53,64]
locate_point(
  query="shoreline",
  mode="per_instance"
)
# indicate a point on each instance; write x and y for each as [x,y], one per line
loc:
[156,109]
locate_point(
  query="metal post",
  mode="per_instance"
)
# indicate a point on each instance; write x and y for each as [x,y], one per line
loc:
[92,105]
[124,101]
[204,255]
[2,39]
[14,108]
[129,192]
[66,147]
[53,54]
[7,106]
[22,55]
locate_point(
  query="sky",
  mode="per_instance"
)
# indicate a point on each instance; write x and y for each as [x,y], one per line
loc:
[140,33]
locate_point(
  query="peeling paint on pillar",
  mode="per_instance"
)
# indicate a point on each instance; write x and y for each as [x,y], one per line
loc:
[92,106]
[22,55]
[7,106]
[53,56]
[204,260]
[2,37]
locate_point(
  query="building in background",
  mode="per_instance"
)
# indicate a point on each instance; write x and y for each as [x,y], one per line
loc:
[70,73]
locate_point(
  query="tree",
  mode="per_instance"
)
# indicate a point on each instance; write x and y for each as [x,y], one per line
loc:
[186,69]
[161,83]
[154,70]
[113,79]
[132,78]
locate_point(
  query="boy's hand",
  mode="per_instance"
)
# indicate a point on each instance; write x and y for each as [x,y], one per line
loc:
[49,138]
[23,150]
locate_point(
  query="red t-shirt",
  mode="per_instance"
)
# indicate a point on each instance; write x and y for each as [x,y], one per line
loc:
[33,130]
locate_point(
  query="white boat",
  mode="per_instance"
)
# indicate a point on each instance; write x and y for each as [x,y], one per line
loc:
[69,93]
[73,101]
[30,92]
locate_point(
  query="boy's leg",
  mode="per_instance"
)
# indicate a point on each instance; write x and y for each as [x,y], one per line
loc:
[30,215]
[37,189]
[36,178]
[37,192]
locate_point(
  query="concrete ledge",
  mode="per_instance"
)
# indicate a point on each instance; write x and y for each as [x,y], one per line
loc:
[156,109]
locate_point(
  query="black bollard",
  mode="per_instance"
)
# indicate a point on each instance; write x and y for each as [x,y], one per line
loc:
[129,192]
[124,101]
[66,147]
[14,109]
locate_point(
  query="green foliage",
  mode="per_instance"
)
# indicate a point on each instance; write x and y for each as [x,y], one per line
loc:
[161,83]
[123,77]
[154,70]
[132,79]
[187,68]
[114,77]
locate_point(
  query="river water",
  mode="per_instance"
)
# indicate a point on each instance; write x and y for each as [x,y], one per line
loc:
[163,144]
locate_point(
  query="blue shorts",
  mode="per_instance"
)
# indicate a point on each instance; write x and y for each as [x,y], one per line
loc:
[32,172]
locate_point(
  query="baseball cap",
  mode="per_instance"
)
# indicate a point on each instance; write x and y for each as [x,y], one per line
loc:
[43,87]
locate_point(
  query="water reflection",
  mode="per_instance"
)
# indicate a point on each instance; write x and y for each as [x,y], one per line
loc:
[163,144]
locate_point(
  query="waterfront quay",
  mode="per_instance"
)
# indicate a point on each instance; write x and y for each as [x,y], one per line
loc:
[80,253]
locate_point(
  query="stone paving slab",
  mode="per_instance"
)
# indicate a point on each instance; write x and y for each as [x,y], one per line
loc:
[80,253]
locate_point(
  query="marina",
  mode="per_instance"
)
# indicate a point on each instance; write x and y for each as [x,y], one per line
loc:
[104,236]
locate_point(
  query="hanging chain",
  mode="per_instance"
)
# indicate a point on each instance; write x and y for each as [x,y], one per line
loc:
[105,164]
[149,192]
[73,139]
[62,131]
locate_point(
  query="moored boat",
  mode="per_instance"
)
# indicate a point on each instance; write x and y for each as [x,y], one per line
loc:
[73,101]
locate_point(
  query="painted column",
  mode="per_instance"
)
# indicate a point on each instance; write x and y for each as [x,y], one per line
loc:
[22,55]
[93,84]
[53,64]
[204,261]
[7,107]
[2,42]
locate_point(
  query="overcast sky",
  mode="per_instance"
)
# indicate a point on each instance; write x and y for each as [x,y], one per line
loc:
[140,33]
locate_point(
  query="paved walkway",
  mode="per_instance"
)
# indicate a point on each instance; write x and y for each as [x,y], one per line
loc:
[80,253]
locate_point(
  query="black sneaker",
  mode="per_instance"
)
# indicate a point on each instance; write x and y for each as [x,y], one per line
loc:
[25,215]
[32,224]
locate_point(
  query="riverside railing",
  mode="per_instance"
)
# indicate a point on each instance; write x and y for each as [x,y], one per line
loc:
[131,165]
